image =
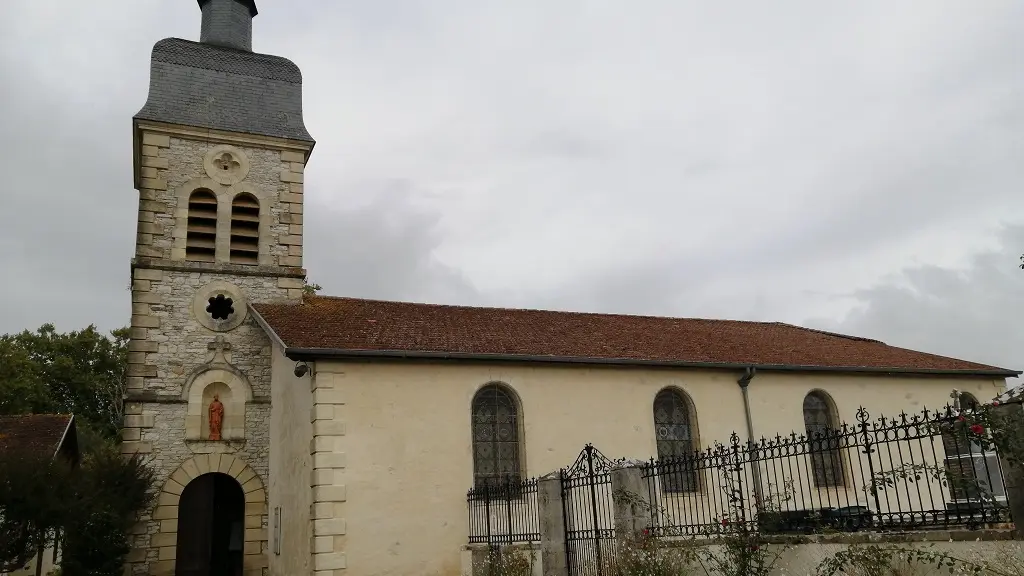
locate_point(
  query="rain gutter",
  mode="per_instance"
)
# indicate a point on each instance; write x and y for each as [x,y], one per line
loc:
[299,353]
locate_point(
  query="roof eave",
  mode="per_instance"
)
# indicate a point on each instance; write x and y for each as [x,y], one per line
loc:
[296,353]
[63,436]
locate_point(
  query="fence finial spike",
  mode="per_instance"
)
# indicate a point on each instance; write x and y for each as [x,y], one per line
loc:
[862,415]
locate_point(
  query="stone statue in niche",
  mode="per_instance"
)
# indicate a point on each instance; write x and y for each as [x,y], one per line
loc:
[216,417]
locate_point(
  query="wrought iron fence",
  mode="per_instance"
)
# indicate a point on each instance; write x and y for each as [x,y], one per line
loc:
[920,471]
[504,512]
[588,513]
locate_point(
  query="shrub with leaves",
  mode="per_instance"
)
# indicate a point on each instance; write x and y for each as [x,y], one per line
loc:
[741,547]
[897,560]
[989,426]
[734,544]
[88,511]
[34,502]
[108,493]
[506,561]
[644,555]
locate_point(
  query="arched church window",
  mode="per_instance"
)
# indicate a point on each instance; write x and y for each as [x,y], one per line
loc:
[201,232]
[495,437]
[675,438]
[823,440]
[245,229]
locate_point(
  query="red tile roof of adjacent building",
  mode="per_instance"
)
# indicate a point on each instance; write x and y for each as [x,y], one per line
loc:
[36,432]
[329,326]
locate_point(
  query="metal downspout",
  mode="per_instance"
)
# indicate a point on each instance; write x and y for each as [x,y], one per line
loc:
[744,383]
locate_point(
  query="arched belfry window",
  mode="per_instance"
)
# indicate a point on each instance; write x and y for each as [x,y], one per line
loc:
[495,437]
[245,229]
[823,440]
[201,232]
[675,433]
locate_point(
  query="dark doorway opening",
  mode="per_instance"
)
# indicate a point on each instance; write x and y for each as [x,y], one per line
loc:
[211,527]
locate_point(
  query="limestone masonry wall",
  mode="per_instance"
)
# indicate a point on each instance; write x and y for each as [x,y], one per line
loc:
[171,168]
[180,355]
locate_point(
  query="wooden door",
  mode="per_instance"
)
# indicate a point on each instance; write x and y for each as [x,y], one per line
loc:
[195,527]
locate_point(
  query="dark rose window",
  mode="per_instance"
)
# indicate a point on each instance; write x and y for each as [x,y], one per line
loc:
[220,307]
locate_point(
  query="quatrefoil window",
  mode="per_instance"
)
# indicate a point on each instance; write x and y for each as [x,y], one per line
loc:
[220,307]
[226,162]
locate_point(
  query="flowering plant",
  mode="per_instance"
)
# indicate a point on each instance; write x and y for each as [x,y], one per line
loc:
[506,561]
[989,427]
[641,554]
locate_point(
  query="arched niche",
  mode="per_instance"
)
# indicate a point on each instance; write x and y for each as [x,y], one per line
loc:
[232,390]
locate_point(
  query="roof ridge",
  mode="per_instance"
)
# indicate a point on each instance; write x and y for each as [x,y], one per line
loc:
[830,333]
[550,310]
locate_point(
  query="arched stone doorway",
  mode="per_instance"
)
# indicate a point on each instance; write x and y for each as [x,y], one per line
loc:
[211,527]
[166,512]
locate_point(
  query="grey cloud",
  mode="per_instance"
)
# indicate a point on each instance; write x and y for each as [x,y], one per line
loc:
[972,312]
[68,221]
[381,248]
[672,157]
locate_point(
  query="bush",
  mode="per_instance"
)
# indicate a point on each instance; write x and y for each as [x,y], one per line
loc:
[506,561]
[644,555]
[109,492]
[34,500]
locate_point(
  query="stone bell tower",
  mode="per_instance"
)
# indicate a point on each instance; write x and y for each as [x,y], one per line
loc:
[220,149]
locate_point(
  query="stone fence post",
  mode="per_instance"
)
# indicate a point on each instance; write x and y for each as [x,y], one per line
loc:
[552,525]
[1013,474]
[631,501]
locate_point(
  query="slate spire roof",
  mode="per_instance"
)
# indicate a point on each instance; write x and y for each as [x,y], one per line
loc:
[351,327]
[220,83]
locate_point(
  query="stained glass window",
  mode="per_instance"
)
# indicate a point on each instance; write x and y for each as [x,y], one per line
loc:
[823,440]
[495,438]
[675,441]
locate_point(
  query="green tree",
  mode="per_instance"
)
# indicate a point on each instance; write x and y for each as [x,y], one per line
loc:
[34,499]
[87,511]
[91,508]
[108,492]
[80,372]
[21,387]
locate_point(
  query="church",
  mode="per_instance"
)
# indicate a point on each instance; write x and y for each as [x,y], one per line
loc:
[301,434]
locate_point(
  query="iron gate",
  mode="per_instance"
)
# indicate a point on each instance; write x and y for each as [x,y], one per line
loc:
[588,513]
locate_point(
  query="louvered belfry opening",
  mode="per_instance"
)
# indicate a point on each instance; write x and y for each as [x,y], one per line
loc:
[245,229]
[201,238]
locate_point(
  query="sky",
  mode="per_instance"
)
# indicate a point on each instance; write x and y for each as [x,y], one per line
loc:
[854,167]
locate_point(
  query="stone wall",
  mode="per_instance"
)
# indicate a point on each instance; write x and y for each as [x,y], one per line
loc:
[179,353]
[171,168]
[804,555]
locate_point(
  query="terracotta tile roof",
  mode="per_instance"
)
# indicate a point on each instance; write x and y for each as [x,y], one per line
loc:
[335,325]
[37,432]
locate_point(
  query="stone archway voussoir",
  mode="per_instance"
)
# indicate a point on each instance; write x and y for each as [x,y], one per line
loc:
[236,468]
[226,462]
[245,475]
[190,468]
